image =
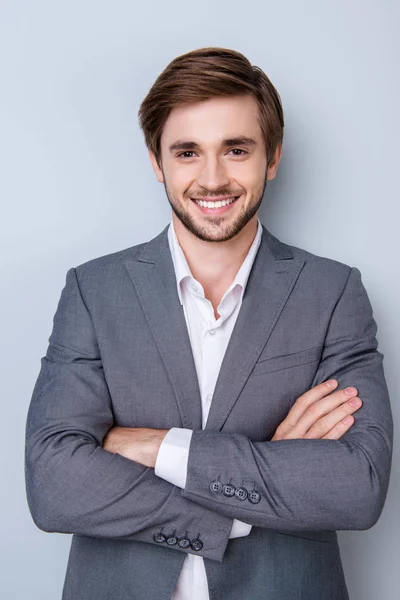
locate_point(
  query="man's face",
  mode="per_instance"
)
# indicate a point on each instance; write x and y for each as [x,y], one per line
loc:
[214,165]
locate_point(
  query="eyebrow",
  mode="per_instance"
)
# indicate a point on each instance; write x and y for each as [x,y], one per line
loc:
[236,141]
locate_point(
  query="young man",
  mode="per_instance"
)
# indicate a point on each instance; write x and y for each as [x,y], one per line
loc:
[192,423]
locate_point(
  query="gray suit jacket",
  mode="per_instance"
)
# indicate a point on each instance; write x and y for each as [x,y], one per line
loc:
[119,354]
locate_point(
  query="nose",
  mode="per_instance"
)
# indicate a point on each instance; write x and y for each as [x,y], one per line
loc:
[213,175]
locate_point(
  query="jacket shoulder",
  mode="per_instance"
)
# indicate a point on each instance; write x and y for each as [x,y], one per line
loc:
[111,263]
[316,267]
[103,263]
[315,261]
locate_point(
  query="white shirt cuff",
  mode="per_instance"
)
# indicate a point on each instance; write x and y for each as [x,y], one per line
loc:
[239,529]
[172,457]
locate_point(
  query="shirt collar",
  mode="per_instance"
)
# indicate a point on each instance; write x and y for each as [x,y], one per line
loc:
[182,269]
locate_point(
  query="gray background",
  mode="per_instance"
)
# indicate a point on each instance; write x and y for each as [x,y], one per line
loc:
[76,183]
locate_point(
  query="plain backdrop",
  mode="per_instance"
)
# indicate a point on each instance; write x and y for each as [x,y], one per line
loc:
[76,183]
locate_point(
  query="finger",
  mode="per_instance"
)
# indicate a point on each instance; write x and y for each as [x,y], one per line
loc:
[340,429]
[316,410]
[325,406]
[325,424]
[304,401]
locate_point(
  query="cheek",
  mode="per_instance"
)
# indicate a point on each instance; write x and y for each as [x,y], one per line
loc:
[250,175]
[253,185]
[179,179]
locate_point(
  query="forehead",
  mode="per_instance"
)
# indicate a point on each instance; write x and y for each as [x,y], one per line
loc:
[213,119]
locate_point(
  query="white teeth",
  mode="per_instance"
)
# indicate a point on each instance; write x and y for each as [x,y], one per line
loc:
[217,204]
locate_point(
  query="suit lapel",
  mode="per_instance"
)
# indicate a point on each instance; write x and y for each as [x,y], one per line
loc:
[270,284]
[271,281]
[153,276]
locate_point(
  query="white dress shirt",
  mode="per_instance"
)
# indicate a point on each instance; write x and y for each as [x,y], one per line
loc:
[209,339]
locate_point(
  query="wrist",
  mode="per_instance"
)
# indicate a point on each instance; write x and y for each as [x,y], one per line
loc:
[159,435]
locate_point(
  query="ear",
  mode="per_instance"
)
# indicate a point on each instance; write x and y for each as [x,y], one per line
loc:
[273,166]
[157,170]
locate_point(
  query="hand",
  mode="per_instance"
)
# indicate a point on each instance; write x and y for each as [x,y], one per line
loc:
[317,415]
[140,444]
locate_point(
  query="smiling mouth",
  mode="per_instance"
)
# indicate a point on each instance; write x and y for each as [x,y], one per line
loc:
[215,204]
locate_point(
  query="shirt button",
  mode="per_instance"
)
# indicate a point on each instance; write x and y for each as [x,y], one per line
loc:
[212,331]
[209,398]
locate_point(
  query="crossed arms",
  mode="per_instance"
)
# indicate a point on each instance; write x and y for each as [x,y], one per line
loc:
[74,485]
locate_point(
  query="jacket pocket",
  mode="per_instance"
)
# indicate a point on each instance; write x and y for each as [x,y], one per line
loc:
[326,536]
[297,359]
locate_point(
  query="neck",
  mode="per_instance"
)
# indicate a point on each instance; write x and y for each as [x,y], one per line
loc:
[215,264]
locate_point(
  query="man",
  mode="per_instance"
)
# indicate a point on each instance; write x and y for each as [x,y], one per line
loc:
[192,423]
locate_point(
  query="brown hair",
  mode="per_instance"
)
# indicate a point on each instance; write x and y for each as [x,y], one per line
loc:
[202,74]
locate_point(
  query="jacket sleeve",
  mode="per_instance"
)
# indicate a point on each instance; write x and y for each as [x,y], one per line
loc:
[310,484]
[73,484]
[171,465]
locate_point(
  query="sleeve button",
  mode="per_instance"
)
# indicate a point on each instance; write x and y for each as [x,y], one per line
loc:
[254,497]
[184,542]
[229,490]
[216,486]
[241,493]
[172,540]
[196,545]
[159,538]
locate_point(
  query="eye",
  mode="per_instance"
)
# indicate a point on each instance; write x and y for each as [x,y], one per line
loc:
[243,152]
[180,155]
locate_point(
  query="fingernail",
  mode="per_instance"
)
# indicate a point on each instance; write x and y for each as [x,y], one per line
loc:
[350,391]
[355,402]
[347,420]
[331,383]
